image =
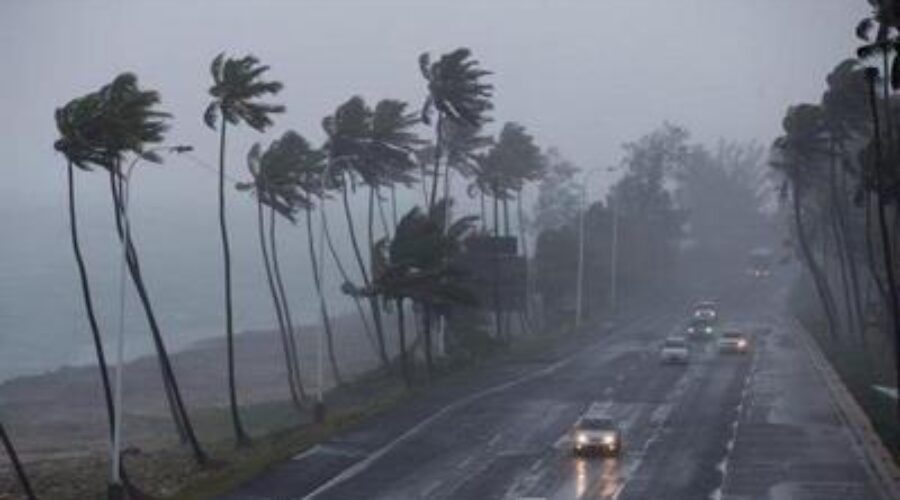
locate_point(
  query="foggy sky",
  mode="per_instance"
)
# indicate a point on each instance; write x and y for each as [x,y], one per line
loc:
[583,76]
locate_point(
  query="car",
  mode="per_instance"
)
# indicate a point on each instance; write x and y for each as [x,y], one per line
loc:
[701,329]
[706,310]
[596,434]
[675,350]
[733,341]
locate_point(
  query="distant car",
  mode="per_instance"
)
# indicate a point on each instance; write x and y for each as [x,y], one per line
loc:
[596,434]
[700,329]
[706,310]
[733,341]
[675,350]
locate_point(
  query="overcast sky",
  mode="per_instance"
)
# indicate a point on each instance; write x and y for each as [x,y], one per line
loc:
[583,76]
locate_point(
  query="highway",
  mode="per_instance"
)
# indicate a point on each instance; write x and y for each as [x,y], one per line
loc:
[757,426]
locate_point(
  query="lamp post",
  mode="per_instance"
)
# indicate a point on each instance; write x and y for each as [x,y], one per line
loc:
[579,278]
[117,490]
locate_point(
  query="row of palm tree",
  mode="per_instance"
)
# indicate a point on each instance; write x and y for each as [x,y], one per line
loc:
[375,150]
[839,161]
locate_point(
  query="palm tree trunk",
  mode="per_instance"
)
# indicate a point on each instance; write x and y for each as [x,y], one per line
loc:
[170,384]
[506,217]
[381,215]
[811,264]
[292,342]
[429,360]
[523,241]
[887,251]
[438,145]
[240,435]
[282,330]
[394,207]
[373,301]
[498,316]
[89,304]
[401,329]
[323,307]
[483,211]
[367,329]
[17,465]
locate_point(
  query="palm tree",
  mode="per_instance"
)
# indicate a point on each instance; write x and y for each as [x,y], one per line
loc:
[803,143]
[418,264]
[118,120]
[882,185]
[17,464]
[456,90]
[375,148]
[511,162]
[70,121]
[237,86]
[270,184]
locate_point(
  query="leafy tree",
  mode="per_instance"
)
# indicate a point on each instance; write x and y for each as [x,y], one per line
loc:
[457,92]
[237,86]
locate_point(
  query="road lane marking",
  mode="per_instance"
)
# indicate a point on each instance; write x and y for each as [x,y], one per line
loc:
[364,464]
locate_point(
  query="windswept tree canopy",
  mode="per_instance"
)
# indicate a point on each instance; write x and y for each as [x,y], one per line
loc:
[287,176]
[100,127]
[378,146]
[514,160]
[236,90]
[456,88]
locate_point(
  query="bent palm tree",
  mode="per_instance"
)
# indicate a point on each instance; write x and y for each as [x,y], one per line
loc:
[268,184]
[119,120]
[418,264]
[16,463]
[235,90]
[456,91]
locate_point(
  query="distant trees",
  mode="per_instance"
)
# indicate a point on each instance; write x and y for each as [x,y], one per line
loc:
[237,86]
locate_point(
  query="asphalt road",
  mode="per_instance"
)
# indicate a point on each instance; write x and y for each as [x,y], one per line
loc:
[755,426]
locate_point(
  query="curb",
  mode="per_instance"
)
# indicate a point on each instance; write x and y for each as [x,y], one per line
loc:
[878,458]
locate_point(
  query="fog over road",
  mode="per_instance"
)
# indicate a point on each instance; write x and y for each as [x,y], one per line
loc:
[761,426]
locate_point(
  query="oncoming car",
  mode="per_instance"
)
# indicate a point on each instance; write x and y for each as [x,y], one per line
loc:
[733,341]
[700,329]
[596,434]
[706,310]
[675,350]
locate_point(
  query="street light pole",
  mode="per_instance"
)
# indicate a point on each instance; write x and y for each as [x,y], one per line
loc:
[116,447]
[579,285]
[614,255]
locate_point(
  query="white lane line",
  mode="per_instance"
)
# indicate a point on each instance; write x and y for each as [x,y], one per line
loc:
[364,464]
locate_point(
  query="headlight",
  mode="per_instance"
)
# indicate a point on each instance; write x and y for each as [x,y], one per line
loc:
[708,329]
[742,343]
[608,439]
[581,439]
[690,329]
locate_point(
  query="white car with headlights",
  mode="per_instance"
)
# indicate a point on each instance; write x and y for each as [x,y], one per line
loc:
[675,350]
[700,329]
[733,341]
[706,311]
[596,434]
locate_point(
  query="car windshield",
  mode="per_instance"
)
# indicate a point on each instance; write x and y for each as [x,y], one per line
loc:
[596,424]
[733,335]
[675,343]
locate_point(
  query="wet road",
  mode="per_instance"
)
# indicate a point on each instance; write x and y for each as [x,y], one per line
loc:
[760,426]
